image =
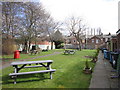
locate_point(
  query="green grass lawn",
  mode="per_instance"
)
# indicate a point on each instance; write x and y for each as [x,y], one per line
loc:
[27,56]
[69,73]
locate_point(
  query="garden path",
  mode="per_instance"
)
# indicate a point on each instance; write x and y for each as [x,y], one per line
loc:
[101,75]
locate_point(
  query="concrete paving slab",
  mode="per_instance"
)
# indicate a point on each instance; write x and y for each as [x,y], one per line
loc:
[101,74]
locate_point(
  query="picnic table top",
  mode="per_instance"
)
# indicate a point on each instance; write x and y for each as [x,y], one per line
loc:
[30,62]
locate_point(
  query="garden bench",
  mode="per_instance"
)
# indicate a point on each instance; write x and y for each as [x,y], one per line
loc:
[25,65]
[69,52]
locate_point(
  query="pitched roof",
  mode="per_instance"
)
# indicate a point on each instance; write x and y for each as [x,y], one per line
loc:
[118,32]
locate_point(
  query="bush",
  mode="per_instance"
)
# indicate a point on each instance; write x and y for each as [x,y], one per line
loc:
[86,65]
[59,44]
[8,46]
[98,50]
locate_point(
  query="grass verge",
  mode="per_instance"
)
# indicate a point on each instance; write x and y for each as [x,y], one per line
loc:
[69,73]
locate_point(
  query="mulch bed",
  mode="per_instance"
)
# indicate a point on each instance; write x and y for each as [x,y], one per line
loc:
[88,56]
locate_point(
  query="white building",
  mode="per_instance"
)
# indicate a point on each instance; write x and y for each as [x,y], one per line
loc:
[44,45]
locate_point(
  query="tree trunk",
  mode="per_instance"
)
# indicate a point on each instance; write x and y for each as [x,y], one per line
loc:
[25,47]
[35,42]
[29,46]
[65,46]
[79,45]
[51,45]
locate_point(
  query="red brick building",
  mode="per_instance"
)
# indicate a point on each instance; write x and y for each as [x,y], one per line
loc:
[118,39]
[95,42]
[113,43]
[71,42]
[91,42]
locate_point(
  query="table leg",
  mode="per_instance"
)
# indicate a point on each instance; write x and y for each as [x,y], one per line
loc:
[15,80]
[15,71]
[48,66]
[50,75]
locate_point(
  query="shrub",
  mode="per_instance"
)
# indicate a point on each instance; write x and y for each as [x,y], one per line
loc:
[98,50]
[86,65]
[8,46]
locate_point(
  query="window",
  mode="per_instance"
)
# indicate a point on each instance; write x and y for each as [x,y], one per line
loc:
[97,41]
[92,40]
[74,41]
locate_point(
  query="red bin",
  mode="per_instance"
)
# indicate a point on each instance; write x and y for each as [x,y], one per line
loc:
[16,54]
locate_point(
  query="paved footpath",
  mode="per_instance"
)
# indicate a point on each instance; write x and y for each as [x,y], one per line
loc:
[101,75]
[6,64]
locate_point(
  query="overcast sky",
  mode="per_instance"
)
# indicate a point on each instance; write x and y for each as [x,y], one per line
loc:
[95,13]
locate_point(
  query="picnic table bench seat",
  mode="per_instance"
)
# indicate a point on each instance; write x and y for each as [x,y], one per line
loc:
[32,72]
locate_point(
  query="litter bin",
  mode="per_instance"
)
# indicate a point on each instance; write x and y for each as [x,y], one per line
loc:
[16,54]
[110,57]
[103,50]
[118,70]
[105,54]
[114,59]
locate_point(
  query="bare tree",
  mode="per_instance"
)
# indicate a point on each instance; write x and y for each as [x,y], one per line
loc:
[32,23]
[76,29]
[51,26]
[57,36]
[9,11]
[27,21]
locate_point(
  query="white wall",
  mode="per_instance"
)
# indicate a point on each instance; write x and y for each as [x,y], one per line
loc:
[40,46]
[44,46]
[20,47]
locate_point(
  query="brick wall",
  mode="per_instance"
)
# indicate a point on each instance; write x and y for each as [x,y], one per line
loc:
[94,42]
[118,41]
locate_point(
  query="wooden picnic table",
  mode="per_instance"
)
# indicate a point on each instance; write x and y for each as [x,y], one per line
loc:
[31,64]
[69,52]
